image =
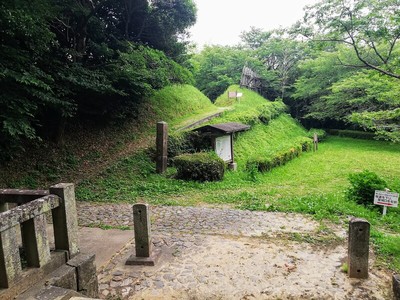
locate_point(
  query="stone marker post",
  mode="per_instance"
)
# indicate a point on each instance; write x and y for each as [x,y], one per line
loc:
[143,247]
[396,287]
[65,219]
[162,147]
[358,249]
[315,140]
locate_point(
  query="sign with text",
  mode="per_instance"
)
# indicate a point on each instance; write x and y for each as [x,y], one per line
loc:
[386,199]
[223,147]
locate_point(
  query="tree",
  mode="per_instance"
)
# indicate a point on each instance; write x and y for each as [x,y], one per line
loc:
[317,75]
[218,68]
[371,28]
[279,53]
[62,59]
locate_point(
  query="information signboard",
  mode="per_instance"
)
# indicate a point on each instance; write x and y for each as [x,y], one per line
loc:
[223,147]
[386,199]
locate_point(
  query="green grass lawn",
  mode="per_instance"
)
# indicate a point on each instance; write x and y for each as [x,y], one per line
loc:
[312,184]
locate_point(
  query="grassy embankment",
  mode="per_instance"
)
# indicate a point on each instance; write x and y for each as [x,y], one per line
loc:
[312,184]
[90,148]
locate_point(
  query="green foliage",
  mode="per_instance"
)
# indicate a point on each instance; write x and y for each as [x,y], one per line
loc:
[363,187]
[384,123]
[320,133]
[365,27]
[202,166]
[173,102]
[218,68]
[251,109]
[187,142]
[266,164]
[66,59]
[355,134]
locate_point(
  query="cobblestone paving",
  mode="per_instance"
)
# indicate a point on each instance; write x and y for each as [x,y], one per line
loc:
[209,253]
[197,219]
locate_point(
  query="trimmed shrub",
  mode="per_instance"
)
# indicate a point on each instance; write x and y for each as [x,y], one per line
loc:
[202,166]
[363,186]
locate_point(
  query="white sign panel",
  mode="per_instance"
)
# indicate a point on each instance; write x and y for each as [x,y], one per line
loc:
[223,147]
[386,199]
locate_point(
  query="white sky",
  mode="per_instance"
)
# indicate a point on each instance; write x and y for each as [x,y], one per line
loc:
[222,21]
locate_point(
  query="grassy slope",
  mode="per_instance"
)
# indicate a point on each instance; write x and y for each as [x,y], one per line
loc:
[175,104]
[313,184]
[90,150]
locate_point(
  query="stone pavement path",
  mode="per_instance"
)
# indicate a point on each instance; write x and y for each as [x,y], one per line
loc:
[209,253]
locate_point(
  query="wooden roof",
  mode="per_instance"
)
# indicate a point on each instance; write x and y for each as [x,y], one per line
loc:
[223,128]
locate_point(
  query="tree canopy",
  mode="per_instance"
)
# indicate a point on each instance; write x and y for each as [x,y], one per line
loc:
[65,58]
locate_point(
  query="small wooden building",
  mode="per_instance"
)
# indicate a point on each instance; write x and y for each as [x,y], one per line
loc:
[222,138]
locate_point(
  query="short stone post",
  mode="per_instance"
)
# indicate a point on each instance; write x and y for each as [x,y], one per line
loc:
[65,219]
[396,286]
[358,248]
[143,247]
[162,147]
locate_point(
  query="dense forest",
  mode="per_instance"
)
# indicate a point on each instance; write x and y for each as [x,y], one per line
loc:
[68,61]
[84,59]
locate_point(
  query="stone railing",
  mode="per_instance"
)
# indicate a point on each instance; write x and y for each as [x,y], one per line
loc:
[26,224]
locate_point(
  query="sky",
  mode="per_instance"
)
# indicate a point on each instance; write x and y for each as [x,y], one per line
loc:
[220,22]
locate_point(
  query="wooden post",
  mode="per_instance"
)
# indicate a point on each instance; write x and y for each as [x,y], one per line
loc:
[315,140]
[162,147]
[65,219]
[358,248]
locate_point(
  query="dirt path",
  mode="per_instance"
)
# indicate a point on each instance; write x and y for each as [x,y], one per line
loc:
[231,254]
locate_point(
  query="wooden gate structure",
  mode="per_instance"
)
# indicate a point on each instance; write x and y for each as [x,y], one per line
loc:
[250,80]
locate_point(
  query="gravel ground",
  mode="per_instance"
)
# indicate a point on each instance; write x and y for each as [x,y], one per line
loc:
[209,253]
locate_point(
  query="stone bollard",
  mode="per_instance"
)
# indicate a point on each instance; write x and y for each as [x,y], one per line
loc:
[162,147]
[358,248]
[65,219]
[396,287]
[143,246]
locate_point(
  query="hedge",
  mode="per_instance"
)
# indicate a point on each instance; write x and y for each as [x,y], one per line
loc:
[355,134]
[202,166]
[281,158]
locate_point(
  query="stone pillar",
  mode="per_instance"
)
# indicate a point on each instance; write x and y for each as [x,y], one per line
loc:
[162,147]
[143,247]
[65,219]
[10,262]
[396,286]
[86,274]
[141,220]
[36,244]
[358,248]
